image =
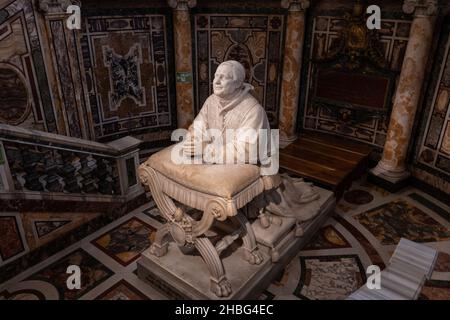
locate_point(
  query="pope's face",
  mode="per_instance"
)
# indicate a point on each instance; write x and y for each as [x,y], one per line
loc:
[223,84]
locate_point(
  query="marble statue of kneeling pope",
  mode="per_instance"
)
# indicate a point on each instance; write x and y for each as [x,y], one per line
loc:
[226,166]
[232,127]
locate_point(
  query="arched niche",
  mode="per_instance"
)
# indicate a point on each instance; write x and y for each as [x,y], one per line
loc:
[15,104]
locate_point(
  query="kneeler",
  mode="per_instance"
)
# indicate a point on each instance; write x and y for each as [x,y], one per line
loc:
[221,191]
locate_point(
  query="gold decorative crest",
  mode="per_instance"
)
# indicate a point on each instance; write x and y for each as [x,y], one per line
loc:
[357,44]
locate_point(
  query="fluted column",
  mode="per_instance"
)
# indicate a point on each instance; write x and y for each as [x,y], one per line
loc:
[290,87]
[392,166]
[183,60]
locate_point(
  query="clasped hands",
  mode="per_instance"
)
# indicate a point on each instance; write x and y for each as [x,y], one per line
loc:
[194,147]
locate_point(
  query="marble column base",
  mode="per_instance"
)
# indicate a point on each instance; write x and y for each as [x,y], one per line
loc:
[185,276]
[391,180]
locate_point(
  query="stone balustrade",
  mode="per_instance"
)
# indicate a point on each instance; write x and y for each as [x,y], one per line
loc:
[38,162]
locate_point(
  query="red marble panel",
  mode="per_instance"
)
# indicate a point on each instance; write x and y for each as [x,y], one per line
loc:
[11,241]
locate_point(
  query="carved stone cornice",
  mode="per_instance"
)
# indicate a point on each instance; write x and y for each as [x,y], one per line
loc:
[421,7]
[182,4]
[55,6]
[295,5]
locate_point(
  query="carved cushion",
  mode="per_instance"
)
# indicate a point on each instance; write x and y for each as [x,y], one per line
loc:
[219,180]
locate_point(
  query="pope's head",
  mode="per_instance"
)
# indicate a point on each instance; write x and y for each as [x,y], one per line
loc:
[228,79]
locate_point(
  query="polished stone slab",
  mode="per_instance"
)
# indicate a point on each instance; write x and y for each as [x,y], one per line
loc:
[187,277]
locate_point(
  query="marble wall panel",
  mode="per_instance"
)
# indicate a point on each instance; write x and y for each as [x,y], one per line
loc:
[323,37]
[127,68]
[432,151]
[22,70]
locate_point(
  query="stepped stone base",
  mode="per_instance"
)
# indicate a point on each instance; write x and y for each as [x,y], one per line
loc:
[183,276]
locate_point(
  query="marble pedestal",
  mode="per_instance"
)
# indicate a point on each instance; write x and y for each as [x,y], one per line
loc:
[182,276]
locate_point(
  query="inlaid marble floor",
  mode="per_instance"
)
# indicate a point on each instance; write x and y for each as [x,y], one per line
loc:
[364,230]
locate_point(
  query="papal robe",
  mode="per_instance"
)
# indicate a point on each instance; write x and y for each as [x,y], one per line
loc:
[245,116]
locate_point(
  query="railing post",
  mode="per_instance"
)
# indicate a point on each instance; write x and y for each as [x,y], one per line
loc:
[127,164]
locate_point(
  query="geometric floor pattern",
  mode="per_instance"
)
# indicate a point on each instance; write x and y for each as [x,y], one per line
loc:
[401,218]
[126,242]
[329,277]
[364,230]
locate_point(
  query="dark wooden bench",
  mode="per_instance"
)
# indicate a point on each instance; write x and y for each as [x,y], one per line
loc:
[329,161]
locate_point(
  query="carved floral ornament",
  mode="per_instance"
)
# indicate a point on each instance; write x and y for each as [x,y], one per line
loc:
[295,5]
[421,7]
[356,44]
[56,6]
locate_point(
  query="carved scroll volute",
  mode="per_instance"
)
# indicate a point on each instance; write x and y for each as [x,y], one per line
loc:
[295,5]
[144,175]
[182,4]
[148,177]
[215,209]
[421,7]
